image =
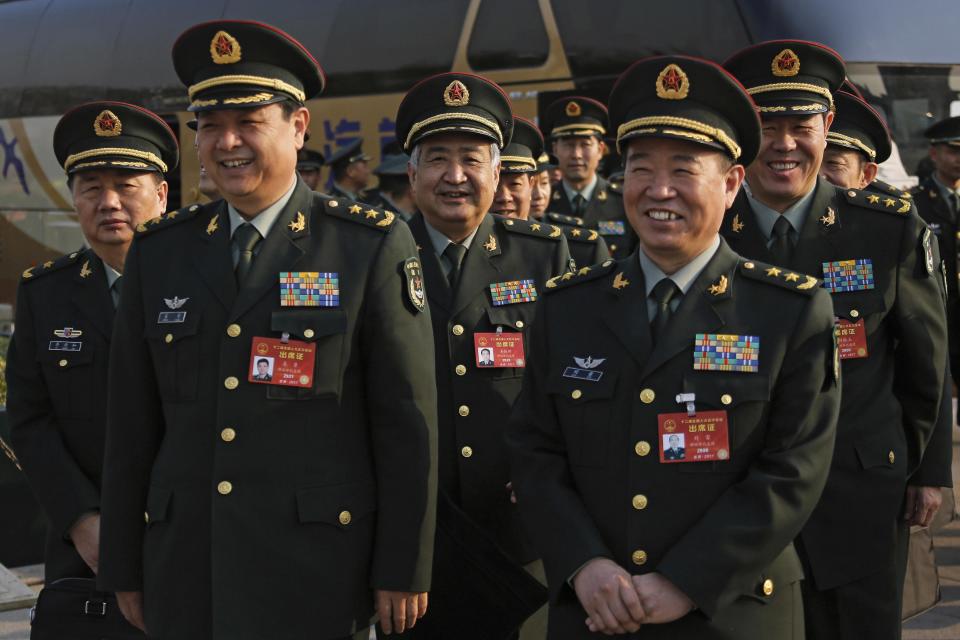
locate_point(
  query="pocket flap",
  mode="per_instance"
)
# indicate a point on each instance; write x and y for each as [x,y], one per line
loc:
[726,389]
[308,324]
[158,503]
[875,451]
[337,505]
[66,359]
[156,330]
[856,305]
[579,390]
[511,315]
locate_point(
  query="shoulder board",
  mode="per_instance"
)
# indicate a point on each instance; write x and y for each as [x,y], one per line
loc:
[168,219]
[779,276]
[886,188]
[584,274]
[931,190]
[576,234]
[366,215]
[877,201]
[560,218]
[48,267]
[526,227]
[616,188]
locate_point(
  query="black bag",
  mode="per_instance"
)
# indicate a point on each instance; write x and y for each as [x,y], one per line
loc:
[73,609]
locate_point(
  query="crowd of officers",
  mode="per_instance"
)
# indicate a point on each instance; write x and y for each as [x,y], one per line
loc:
[705,399]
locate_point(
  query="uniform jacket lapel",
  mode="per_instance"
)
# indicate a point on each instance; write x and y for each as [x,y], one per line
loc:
[627,314]
[91,295]
[438,290]
[212,260]
[480,266]
[742,231]
[939,208]
[700,310]
[819,238]
[284,245]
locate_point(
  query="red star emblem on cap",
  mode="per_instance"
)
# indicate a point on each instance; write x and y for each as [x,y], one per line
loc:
[456,92]
[224,46]
[786,62]
[672,80]
[107,123]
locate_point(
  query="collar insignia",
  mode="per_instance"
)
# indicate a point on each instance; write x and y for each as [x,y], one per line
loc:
[85,269]
[491,244]
[737,224]
[299,224]
[830,218]
[719,287]
[620,282]
[212,225]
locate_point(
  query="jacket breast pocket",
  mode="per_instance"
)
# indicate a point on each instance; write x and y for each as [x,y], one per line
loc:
[510,319]
[176,357]
[585,410]
[325,329]
[745,398]
[73,386]
[854,306]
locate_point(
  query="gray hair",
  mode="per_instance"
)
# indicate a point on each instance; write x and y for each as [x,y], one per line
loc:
[414,160]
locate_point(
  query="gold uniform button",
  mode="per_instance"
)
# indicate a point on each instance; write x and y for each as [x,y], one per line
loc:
[308,333]
[63,362]
[640,502]
[224,488]
[345,518]
[231,383]
[647,396]
[233,330]
[519,324]
[458,329]
[576,394]
[228,435]
[726,398]
[466,452]
[642,448]
[748,265]
[639,557]
[168,338]
[146,517]
[464,410]
[854,313]
[891,457]
[768,587]
[461,370]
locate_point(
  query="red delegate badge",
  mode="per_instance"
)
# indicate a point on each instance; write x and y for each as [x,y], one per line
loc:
[702,437]
[851,339]
[499,350]
[288,364]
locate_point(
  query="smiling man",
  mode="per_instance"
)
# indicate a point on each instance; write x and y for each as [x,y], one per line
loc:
[318,481]
[880,264]
[483,274]
[677,418]
[115,155]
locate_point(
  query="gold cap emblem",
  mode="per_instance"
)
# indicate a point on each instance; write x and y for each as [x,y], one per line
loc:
[107,124]
[672,83]
[785,64]
[456,94]
[573,109]
[224,48]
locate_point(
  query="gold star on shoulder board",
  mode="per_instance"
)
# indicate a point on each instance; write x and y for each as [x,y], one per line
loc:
[372,213]
[535,226]
[773,271]
[889,202]
[85,270]
[583,271]
[873,198]
[356,209]
[299,224]
[48,264]
[620,282]
[173,214]
[575,233]
[792,277]
[567,276]
[720,287]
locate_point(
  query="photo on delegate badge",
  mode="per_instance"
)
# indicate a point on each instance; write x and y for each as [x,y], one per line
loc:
[485,357]
[674,446]
[262,369]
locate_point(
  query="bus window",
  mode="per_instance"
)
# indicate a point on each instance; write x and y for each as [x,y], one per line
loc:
[508,35]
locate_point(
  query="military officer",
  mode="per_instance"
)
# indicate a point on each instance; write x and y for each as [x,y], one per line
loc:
[858,140]
[483,273]
[115,155]
[577,126]
[309,166]
[540,190]
[319,482]
[518,167]
[684,337]
[393,192]
[879,262]
[938,200]
[350,171]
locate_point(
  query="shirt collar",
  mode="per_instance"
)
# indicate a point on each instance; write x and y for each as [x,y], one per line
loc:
[684,276]
[264,220]
[944,189]
[345,191]
[586,192]
[796,214]
[440,241]
[112,274]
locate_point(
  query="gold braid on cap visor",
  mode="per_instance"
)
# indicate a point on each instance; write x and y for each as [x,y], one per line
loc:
[257,81]
[579,127]
[492,124]
[713,133]
[793,86]
[850,141]
[527,162]
[115,151]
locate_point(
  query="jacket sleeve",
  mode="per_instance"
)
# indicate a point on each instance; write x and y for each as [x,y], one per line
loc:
[920,326]
[562,529]
[62,488]
[134,432]
[398,360]
[720,557]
